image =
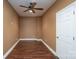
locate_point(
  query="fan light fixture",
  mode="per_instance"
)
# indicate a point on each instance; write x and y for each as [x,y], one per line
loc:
[30,11]
[31,8]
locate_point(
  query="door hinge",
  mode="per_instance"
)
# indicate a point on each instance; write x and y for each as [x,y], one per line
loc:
[73,38]
[73,12]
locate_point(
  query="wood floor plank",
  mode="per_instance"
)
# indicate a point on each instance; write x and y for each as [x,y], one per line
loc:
[30,50]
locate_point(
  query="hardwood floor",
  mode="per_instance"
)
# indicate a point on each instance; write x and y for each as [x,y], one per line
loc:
[30,50]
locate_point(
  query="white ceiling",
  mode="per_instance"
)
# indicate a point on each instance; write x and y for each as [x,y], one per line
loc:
[40,3]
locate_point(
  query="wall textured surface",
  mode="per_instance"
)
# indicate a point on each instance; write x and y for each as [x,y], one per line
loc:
[30,27]
[10,26]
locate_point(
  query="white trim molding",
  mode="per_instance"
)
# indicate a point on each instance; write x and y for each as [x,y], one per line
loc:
[10,50]
[31,39]
[52,51]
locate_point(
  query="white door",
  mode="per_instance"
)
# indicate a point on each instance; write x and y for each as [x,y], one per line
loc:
[65,33]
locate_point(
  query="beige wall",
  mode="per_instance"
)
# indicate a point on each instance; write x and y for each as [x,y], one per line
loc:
[30,27]
[10,26]
[49,22]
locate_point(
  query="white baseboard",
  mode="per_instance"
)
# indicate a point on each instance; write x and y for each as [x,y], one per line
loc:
[52,51]
[10,50]
[31,39]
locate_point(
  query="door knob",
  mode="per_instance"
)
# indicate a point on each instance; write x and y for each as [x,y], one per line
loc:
[57,37]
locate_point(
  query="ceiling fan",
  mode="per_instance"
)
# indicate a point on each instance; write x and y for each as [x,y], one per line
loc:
[31,8]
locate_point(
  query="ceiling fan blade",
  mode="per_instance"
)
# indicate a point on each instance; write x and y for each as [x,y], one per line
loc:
[33,11]
[26,10]
[38,8]
[23,6]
